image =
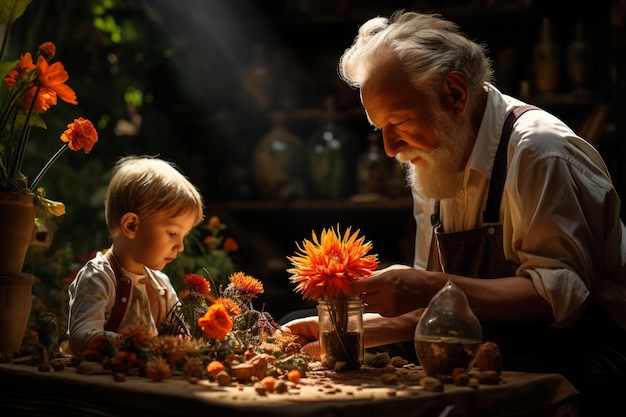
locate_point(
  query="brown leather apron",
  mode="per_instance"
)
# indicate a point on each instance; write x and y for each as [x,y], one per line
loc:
[478,253]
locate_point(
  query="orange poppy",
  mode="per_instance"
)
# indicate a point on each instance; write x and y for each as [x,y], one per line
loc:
[216,322]
[52,77]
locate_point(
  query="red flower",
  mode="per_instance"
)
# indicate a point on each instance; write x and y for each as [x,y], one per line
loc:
[197,283]
[230,245]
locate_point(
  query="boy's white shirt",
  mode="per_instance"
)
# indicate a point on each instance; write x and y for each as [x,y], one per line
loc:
[92,297]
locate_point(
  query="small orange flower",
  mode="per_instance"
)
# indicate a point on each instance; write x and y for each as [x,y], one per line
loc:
[197,283]
[139,337]
[246,284]
[47,50]
[233,309]
[214,222]
[216,322]
[80,134]
[24,67]
[158,370]
[101,346]
[123,362]
[209,241]
[230,245]
[326,267]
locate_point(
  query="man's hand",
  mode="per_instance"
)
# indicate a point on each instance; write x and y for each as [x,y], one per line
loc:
[394,290]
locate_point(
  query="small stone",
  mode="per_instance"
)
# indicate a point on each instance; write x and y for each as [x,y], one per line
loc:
[89,368]
[119,377]
[428,383]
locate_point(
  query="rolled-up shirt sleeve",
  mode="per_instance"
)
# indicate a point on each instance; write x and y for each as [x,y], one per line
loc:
[559,209]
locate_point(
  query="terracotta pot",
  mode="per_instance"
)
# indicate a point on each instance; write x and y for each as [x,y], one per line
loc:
[15,306]
[17,222]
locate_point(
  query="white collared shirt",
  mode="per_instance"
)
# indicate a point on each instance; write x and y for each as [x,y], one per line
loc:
[560,211]
[92,297]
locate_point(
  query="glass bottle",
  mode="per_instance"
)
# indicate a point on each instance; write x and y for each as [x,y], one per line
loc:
[373,167]
[546,58]
[448,334]
[340,323]
[332,159]
[257,82]
[279,161]
[579,60]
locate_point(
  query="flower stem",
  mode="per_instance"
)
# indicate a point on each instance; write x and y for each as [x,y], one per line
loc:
[46,167]
[21,149]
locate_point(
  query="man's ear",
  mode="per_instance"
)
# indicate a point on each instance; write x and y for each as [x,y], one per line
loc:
[128,224]
[455,91]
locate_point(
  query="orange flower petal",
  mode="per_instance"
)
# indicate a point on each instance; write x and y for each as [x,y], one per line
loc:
[80,134]
[325,267]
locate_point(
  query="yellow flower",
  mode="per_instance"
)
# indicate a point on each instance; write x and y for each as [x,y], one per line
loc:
[325,267]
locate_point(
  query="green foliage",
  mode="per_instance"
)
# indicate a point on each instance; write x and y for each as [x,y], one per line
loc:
[204,254]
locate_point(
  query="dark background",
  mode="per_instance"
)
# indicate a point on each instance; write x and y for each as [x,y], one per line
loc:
[167,77]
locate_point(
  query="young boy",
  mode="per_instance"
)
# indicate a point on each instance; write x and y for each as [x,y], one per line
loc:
[150,207]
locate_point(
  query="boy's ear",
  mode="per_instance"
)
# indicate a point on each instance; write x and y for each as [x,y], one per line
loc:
[128,224]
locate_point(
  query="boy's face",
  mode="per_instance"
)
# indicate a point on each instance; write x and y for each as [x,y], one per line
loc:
[159,238]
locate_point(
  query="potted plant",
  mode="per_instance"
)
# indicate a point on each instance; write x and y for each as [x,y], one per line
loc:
[28,87]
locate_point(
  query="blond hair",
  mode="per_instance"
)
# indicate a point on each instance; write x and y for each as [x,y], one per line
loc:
[146,185]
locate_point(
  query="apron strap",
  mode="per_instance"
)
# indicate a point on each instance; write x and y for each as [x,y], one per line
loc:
[498,174]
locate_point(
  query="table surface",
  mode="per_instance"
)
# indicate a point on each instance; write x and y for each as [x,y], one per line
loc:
[26,391]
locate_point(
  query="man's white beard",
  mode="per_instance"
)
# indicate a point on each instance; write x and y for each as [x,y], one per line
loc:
[440,174]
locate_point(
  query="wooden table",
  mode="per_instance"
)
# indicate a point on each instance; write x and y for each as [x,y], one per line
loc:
[25,391]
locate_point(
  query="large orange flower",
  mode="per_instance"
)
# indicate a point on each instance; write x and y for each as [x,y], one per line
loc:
[50,83]
[52,78]
[80,134]
[216,322]
[325,267]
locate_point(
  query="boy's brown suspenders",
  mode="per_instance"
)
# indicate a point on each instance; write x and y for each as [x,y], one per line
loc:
[122,294]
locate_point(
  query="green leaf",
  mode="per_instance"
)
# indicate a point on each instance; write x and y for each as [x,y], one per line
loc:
[10,10]
[6,67]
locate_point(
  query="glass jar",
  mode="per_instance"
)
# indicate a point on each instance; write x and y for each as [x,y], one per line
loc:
[448,334]
[341,332]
